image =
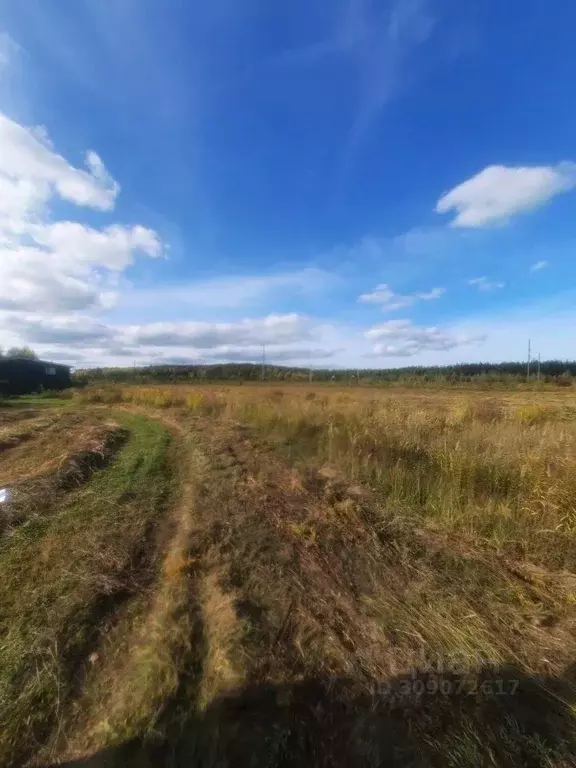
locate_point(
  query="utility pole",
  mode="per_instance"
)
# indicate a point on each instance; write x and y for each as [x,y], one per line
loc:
[528,366]
[538,374]
[263,361]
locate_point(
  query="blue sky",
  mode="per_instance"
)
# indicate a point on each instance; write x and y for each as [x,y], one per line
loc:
[349,183]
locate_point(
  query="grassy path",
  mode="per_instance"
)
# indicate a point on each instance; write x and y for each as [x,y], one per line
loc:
[142,662]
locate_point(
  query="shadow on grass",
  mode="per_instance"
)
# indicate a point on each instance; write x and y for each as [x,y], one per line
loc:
[493,717]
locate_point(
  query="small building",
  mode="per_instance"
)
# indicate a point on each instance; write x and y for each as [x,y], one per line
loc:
[23,376]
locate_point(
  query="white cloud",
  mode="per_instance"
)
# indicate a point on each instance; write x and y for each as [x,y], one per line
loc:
[499,192]
[19,198]
[26,155]
[382,295]
[435,293]
[538,266]
[390,301]
[53,272]
[401,338]
[483,284]
[29,280]
[271,330]
[79,247]
[72,267]
[58,266]
[77,337]
[55,329]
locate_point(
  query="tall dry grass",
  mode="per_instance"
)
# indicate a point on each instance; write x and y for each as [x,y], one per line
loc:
[500,471]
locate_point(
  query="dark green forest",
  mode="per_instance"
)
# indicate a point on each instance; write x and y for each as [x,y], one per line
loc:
[559,372]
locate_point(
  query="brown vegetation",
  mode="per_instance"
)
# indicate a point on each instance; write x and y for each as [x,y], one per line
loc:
[43,457]
[343,577]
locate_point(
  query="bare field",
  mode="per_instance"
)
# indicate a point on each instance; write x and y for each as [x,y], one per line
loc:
[292,575]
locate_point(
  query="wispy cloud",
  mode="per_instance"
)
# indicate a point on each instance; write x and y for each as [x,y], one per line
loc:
[389,301]
[10,67]
[381,43]
[537,266]
[378,43]
[234,291]
[431,241]
[5,50]
[8,51]
[483,284]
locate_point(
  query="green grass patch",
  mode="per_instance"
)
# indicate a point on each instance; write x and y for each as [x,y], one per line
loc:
[64,575]
[41,399]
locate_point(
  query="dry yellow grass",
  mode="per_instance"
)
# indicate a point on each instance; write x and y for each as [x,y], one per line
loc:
[42,444]
[223,632]
[501,470]
[347,576]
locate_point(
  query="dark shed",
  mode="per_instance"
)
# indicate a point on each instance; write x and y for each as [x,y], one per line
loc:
[21,376]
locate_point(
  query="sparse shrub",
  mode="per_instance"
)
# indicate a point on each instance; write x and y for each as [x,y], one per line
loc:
[304,531]
[487,411]
[107,395]
[195,400]
[483,411]
[533,413]
[564,380]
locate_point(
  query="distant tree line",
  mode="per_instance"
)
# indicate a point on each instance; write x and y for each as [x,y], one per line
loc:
[560,372]
[26,352]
